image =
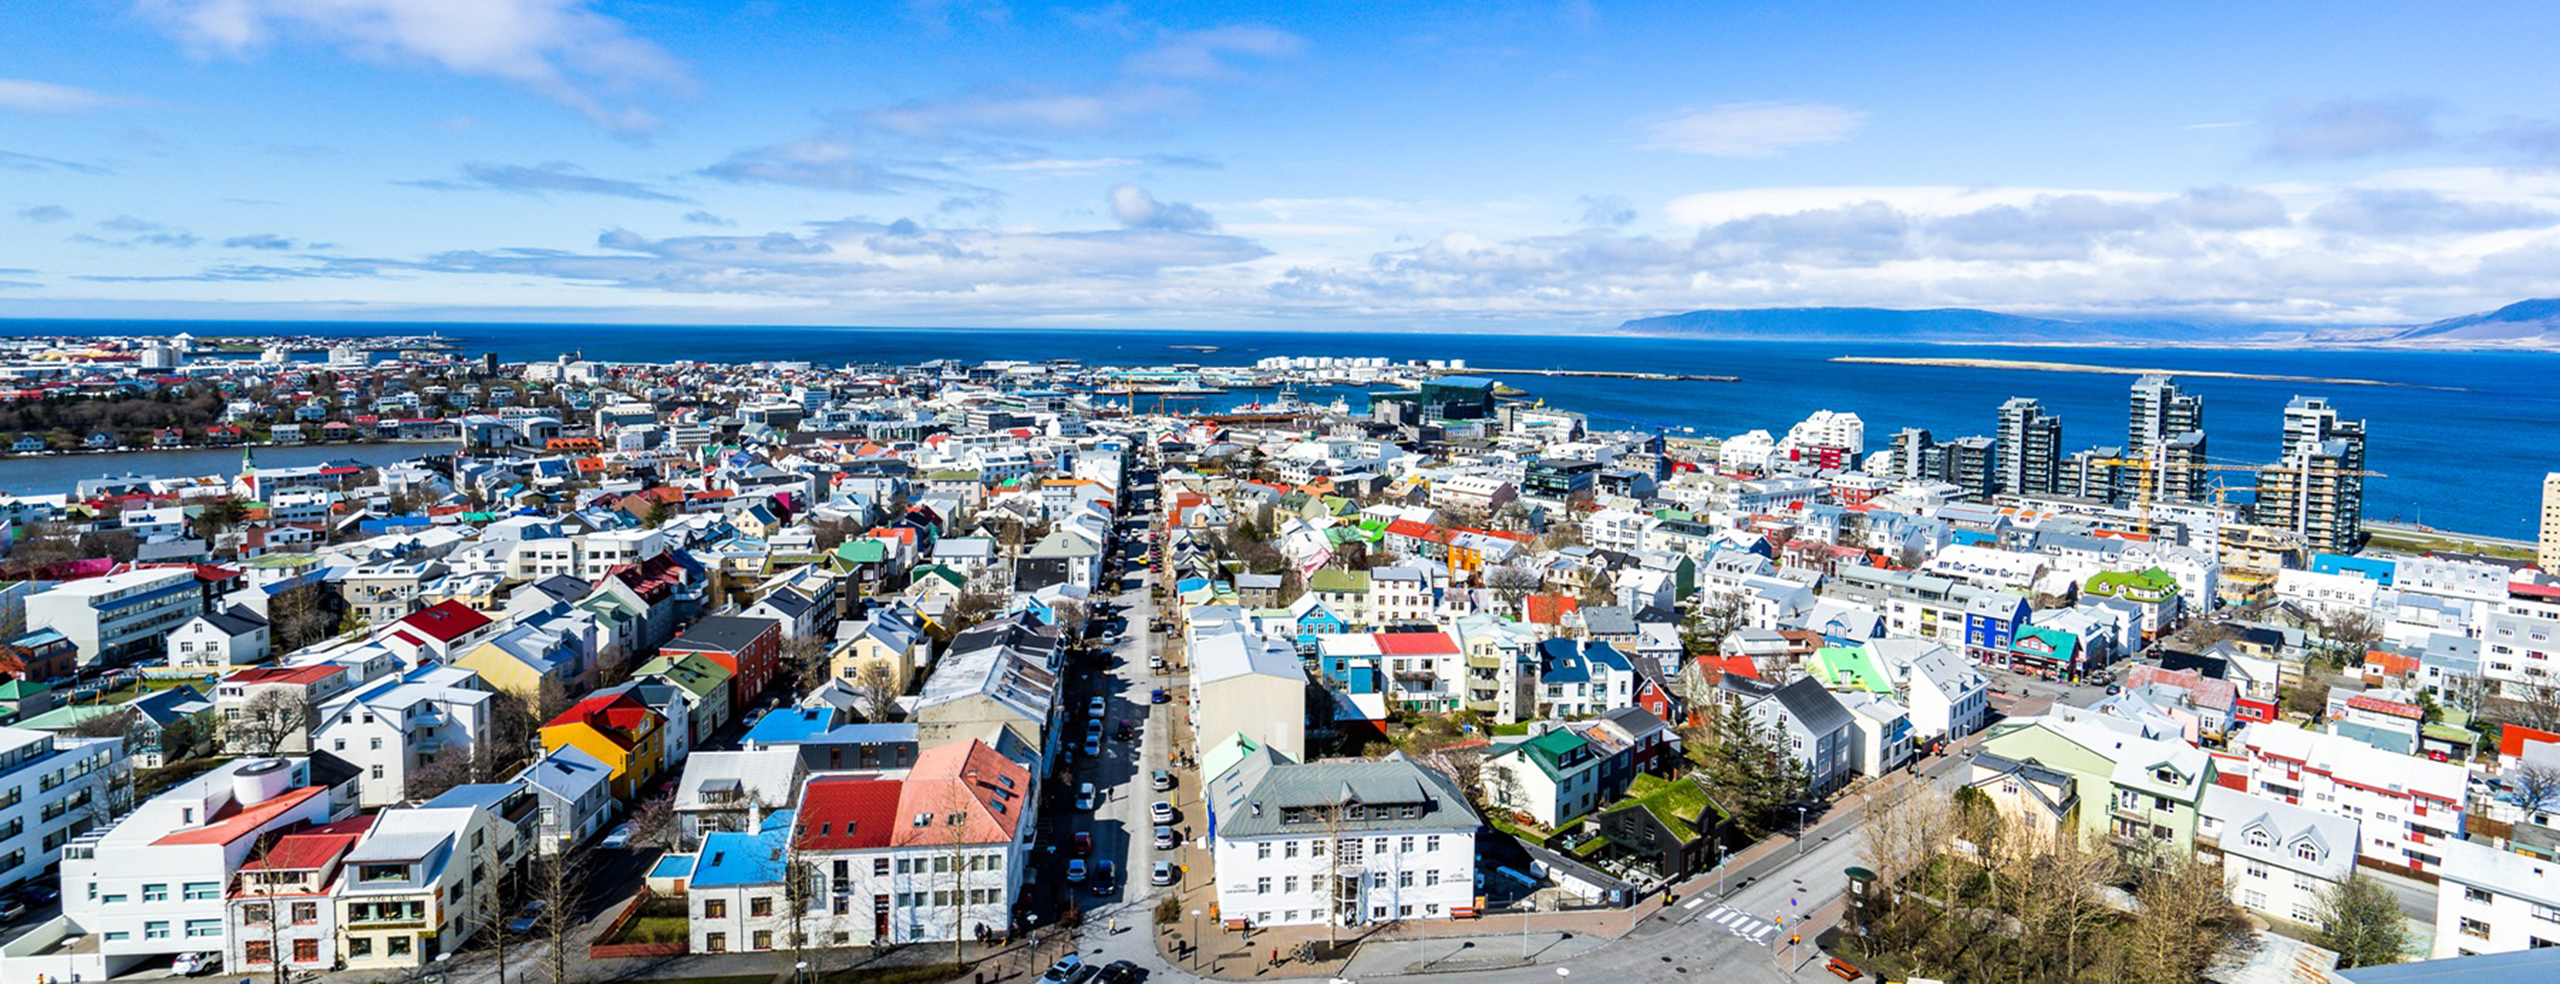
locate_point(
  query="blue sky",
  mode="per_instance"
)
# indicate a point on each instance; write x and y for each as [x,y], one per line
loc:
[1530,166]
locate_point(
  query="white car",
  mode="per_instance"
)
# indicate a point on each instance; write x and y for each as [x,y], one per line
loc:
[199,962]
[1096,707]
[1093,746]
[1086,798]
[620,838]
[1162,812]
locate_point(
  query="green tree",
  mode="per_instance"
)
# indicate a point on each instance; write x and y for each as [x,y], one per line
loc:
[1749,769]
[2359,919]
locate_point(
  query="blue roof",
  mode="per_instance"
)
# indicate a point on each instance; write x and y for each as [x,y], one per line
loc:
[729,858]
[872,734]
[484,795]
[791,726]
[672,866]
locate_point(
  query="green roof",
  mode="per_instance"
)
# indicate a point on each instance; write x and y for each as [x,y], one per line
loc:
[2152,581]
[697,674]
[1849,665]
[1675,802]
[952,475]
[1338,582]
[1548,750]
[863,550]
[67,717]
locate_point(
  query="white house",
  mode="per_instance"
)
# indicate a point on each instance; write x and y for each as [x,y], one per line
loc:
[1345,842]
[391,729]
[220,641]
[2409,808]
[2490,901]
[2277,858]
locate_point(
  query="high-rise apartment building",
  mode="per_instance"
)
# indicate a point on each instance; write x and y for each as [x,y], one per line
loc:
[2549,555]
[2316,488]
[2160,412]
[2030,447]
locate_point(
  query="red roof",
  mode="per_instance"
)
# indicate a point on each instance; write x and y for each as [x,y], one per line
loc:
[245,822]
[1418,531]
[2380,706]
[1740,666]
[1551,609]
[840,814]
[618,717]
[446,621]
[1415,644]
[2513,738]
[297,675]
[311,848]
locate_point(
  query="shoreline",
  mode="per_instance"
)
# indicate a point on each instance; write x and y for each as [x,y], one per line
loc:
[2078,367]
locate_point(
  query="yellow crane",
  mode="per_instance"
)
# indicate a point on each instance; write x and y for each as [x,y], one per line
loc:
[2145,484]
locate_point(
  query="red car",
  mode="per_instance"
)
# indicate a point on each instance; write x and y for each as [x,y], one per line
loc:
[1084,842]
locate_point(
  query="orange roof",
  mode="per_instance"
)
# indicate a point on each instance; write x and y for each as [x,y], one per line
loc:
[244,822]
[2393,664]
[1551,609]
[2513,738]
[312,848]
[972,779]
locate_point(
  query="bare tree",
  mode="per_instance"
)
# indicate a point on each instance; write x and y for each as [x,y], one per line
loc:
[260,884]
[2361,920]
[1512,586]
[453,766]
[805,658]
[268,722]
[2186,923]
[878,688]
[653,821]
[2534,783]
[561,883]
[2534,705]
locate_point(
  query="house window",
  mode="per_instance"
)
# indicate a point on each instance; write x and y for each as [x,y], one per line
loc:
[1262,886]
[2307,852]
[306,951]
[763,940]
[761,905]
[254,914]
[258,952]
[2474,927]
[155,930]
[2257,871]
[715,908]
[306,912]
[204,927]
[2470,894]
[203,890]
[155,892]
[715,943]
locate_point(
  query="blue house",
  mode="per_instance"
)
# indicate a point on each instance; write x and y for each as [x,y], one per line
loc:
[1313,619]
[1991,622]
[2374,569]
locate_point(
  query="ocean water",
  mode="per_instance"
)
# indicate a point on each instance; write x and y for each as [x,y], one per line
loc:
[2464,440]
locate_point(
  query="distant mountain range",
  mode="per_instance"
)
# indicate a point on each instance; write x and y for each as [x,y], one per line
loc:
[2531,324]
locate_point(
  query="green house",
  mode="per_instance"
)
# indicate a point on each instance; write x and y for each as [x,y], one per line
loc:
[2139,793]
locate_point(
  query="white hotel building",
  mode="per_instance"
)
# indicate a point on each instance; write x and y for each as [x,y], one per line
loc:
[1355,842]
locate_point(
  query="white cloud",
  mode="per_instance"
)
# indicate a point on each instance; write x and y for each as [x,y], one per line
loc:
[1136,209]
[29,96]
[2347,129]
[1204,54]
[562,49]
[1752,129]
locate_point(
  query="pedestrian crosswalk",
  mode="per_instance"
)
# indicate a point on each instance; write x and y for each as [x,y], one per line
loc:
[1742,924]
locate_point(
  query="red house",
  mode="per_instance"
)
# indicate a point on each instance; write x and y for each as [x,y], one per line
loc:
[749,648]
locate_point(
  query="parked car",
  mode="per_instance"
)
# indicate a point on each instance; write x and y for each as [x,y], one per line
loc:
[1059,972]
[1102,878]
[1163,780]
[1166,840]
[1084,842]
[1119,972]
[1162,812]
[1075,870]
[1096,707]
[12,910]
[199,962]
[528,917]
[40,894]
[1163,873]
[1086,798]
[1093,745]
[1159,697]
[619,839]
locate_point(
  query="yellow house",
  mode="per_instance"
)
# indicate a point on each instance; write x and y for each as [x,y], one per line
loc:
[890,637]
[523,659]
[619,731]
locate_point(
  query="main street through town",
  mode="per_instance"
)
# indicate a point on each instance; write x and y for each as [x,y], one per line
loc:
[1733,925]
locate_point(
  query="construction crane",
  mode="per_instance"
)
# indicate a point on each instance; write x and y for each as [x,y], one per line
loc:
[2145,484]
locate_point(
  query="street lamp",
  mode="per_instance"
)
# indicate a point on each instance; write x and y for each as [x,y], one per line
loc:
[1799,830]
[1195,941]
[443,961]
[800,972]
